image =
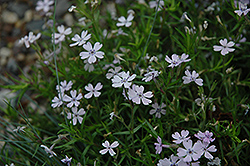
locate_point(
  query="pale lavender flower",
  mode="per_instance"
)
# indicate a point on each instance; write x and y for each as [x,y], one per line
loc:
[175,61]
[189,78]
[44,5]
[150,75]
[158,110]
[92,53]
[242,9]
[57,101]
[173,160]
[80,40]
[59,37]
[123,79]
[49,150]
[159,145]
[64,86]
[225,48]
[109,148]
[19,129]
[76,115]
[118,58]
[190,152]
[72,100]
[67,160]
[215,161]
[154,4]
[184,57]
[205,149]
[125,22]
[205,137]
[88,66]
[93,91]
[113,72]
[31,38]
[12,164]
[137,95]
[181,138]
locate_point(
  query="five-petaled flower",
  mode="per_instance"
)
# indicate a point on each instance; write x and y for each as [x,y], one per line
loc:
[225,48]
[181,138]
[205,149]
[31,38]
[205,137]
[192,77]
[154,4]
[49,150]
[76,115]
[173,160]
[44,5]
[159,145]
[59,37]
[67,160]
[80,40]
[125,22]
[72,100]
[92,53]
[190,152]
[64,86]
[123,79]
[93,91]
[57,101]
[158,110]
[113,72]
[109,148]
[242,9]
[137,95]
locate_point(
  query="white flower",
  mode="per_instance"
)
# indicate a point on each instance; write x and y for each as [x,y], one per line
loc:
[190,152]
[59,37]
[82,21]
[31,38]
[215,161]
[111,115]
[88,67]
[180,138]
[67,160]
[109,148]
[49,150]
[80,40]
[64,86]
[44,5]
[154,4]
[137,95]
[19,129]
[113,72]
[123,79]
[225,47]
[125,22]
[118,58]
[175,61]
[158,110]
[12,164]
[242,9]
[93,91]
[73,100]
[71,8]
[184,57]
[150,75]
[205,149]
[76,115]
[92,52]
[173,160]
[57,101]
[189,78]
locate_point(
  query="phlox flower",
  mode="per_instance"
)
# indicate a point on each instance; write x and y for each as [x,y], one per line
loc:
[242,9]
[205,137]
[154,4]
[158,110]
[189,78]
[180,138]
[59,37]
[159,145]
[137,95]
[109,148]
[118,58]
[92,53]
[225,48]
[215,161]
[123,79]
[80,40]
[64,86]
[67,160]
[12,164]
[183,58]
[76,115]
[19,129]
[49,150]
[44,5]
[125,22]
[190,152]
[173,160]
[57,101]
[113,72]
[93,91]
[175,61]
[150,75]
[31,38]
[72,100]
[88,66]
[205,149]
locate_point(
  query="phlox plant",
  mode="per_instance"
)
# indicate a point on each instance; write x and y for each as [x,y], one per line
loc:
[133,83]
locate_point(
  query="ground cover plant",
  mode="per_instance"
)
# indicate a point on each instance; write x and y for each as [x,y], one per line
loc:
[134,83]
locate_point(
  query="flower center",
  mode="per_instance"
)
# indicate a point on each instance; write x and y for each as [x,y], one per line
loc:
[92,52]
